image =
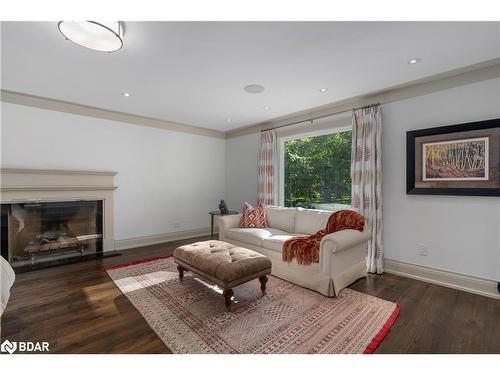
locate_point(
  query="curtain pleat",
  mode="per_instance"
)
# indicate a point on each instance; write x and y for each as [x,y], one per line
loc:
[366,176]
[267,168]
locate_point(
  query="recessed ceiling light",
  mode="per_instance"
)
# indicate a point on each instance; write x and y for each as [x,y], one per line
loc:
[228,120]
[99,36]
[254,88]
[416,60]
[126,94]
[323,89]
[267,107]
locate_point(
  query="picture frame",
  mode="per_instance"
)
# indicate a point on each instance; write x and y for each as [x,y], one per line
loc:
[461,159]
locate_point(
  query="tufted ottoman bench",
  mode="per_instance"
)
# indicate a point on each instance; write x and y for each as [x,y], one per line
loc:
[224,264]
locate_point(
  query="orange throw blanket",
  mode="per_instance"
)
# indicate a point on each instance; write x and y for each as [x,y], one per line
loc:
[306,249]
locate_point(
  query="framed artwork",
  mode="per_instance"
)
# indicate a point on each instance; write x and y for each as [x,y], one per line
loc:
[459,159]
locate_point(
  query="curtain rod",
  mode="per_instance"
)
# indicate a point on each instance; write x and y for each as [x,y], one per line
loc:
[320,117]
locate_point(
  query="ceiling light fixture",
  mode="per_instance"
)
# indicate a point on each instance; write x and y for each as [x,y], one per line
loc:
[414,61]
[323,89]
[99,36]
[126,94]
[228,120]
[254,88]
[267,107]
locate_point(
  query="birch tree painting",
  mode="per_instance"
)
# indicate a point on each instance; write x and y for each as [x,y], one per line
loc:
[465,159]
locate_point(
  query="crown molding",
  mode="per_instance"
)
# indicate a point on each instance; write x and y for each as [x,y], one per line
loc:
[83,110]
[470,74]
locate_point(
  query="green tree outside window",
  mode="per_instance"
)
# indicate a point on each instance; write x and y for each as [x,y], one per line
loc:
[318,171]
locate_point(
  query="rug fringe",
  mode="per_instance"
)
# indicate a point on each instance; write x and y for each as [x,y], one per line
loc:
[383,332]
[135,262]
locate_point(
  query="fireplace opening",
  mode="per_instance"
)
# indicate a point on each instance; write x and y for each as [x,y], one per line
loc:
[45,233]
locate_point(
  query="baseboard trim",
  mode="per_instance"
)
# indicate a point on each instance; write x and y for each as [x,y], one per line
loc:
[130,243]
[471,284]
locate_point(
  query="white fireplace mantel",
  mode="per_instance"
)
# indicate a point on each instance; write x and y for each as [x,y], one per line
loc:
[27,185]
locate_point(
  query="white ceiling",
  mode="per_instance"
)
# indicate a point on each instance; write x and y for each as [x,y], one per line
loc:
[194,72]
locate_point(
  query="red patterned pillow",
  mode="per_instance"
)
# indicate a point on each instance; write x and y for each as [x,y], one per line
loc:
[253,217]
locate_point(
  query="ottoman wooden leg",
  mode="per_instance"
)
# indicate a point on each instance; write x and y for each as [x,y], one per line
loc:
[181,272]
[263,281]
[228,293]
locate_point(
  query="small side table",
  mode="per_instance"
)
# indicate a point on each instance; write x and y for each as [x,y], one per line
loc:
[217,213]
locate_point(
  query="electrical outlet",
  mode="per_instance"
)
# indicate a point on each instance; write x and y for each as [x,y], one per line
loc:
[423,249]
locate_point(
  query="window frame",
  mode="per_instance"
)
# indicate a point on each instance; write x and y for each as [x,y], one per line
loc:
[281,154]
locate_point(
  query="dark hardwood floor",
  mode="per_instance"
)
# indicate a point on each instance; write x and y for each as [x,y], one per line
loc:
[77,309]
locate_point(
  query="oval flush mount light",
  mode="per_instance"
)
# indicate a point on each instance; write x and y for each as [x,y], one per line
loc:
[99,36]
[254,89]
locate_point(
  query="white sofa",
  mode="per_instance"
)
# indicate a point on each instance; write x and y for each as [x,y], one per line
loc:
[342,257]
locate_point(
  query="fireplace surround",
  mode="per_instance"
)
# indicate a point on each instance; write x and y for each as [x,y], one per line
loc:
[51,217]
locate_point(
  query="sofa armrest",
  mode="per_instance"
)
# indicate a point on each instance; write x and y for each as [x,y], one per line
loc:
[227,222]
[344,239]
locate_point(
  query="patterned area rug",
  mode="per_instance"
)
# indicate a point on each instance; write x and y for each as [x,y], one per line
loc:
[190,317]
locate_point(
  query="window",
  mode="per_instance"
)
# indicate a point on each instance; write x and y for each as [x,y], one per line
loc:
[316,171]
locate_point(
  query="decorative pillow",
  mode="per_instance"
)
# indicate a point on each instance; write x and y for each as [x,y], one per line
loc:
[253,217]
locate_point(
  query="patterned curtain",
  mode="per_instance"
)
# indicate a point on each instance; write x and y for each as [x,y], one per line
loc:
[366,175]
[268,164]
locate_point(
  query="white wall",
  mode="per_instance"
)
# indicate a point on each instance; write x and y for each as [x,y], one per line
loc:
[463,233]
[163,178]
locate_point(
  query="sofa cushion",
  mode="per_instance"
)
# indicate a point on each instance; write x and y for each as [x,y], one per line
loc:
[276,242]
[253,236]
[311,221]
[281,218]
